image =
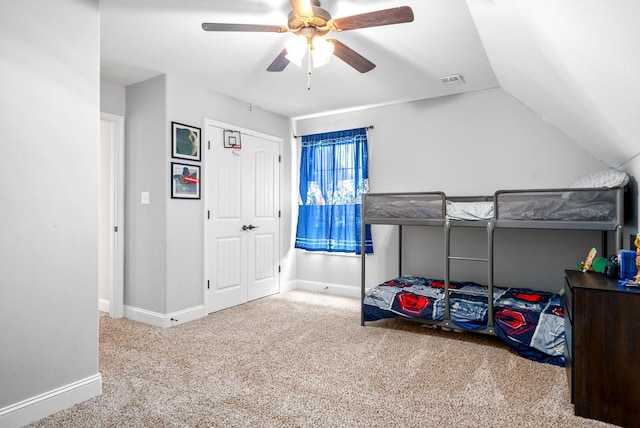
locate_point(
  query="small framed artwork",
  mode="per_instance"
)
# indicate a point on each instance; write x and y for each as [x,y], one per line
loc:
[185,141]
[185,181]
[232,139]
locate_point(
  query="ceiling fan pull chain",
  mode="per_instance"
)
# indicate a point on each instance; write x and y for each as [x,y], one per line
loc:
[309,69]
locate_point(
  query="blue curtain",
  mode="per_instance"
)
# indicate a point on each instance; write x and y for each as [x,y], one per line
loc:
[333,176]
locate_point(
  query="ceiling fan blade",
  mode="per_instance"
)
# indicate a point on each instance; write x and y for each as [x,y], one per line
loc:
[213,26]
[396,15]
[280,62]
[351,57]
[302,8]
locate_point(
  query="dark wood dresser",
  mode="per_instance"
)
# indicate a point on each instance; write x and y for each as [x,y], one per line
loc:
[602,326]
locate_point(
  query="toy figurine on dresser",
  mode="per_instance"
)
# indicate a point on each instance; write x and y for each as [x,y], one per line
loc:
[637,244]
[630,265]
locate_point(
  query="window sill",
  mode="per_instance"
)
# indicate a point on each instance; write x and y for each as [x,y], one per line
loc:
[328,253]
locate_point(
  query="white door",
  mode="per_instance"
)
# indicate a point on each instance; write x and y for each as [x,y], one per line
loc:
[242,196]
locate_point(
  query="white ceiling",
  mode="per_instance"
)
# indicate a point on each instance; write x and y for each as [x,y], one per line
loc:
[144,38]
[573,62]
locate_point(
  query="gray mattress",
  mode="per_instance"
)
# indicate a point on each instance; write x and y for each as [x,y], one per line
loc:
[583,205]
[415,206]
[551,205]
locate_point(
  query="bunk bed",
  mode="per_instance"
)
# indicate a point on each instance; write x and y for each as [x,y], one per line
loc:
[531,322]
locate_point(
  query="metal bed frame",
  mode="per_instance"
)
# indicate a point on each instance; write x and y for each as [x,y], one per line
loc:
[437,217]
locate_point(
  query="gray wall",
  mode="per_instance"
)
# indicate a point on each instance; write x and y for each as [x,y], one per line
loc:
[190,102]
[469,144]
[165,239]
[146,170]
[49,80]
[112,98]
[465,144]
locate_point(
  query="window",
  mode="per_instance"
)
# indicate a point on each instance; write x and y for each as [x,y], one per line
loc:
[333,176]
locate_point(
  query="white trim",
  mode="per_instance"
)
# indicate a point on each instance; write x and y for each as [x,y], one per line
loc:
[287,286]
[329,253]
[144,316]
[164,320]
[185,315]
[329,288]
[116,241]
[43,405]
[242,130]
[104,305]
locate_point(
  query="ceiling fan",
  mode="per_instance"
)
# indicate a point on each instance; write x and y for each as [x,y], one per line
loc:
[309,21]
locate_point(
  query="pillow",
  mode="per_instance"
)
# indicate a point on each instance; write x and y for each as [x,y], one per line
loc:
[609,177]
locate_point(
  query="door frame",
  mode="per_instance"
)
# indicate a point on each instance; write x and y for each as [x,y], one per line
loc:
[116,215]
[203,177]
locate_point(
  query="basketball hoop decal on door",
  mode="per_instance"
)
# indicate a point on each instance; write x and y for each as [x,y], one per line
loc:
[232,139]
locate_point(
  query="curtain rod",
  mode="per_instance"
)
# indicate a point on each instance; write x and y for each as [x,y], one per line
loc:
[366,127]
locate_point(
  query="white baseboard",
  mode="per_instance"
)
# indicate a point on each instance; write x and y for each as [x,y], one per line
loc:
[329,288]
[43,405]
[104,305]
[288,286]
[164,320]
[185,315]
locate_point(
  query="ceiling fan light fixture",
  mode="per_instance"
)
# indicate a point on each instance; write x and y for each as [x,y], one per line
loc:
[311,22]
[296,48]
[321,51]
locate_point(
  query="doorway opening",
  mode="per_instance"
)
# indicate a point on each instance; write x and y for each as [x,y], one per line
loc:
[111,216]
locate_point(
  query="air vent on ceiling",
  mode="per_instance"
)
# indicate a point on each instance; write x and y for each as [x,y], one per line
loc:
[452,80]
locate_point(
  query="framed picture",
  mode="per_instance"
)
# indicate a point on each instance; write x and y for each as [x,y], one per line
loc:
[185,181]
[232,139]
[185,141]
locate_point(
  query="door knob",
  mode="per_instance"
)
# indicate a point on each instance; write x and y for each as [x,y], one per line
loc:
[250,227]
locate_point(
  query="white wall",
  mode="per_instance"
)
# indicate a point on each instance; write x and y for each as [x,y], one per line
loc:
[112,98]
[190,102]
[469,144]
[573,62]
[464,145]
[164,250]
[49,80]
[146,171]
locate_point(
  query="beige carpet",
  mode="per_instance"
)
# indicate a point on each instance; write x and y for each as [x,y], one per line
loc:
[302,359]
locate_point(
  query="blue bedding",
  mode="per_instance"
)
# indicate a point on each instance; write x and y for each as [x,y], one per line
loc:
[530,322]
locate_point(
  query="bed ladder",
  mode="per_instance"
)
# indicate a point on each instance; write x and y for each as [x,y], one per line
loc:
[447,274]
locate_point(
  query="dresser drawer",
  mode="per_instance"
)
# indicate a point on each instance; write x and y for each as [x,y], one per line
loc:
[568,304]
[568,301]
[568,353]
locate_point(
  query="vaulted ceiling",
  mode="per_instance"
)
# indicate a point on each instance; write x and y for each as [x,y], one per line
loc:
[574,62]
